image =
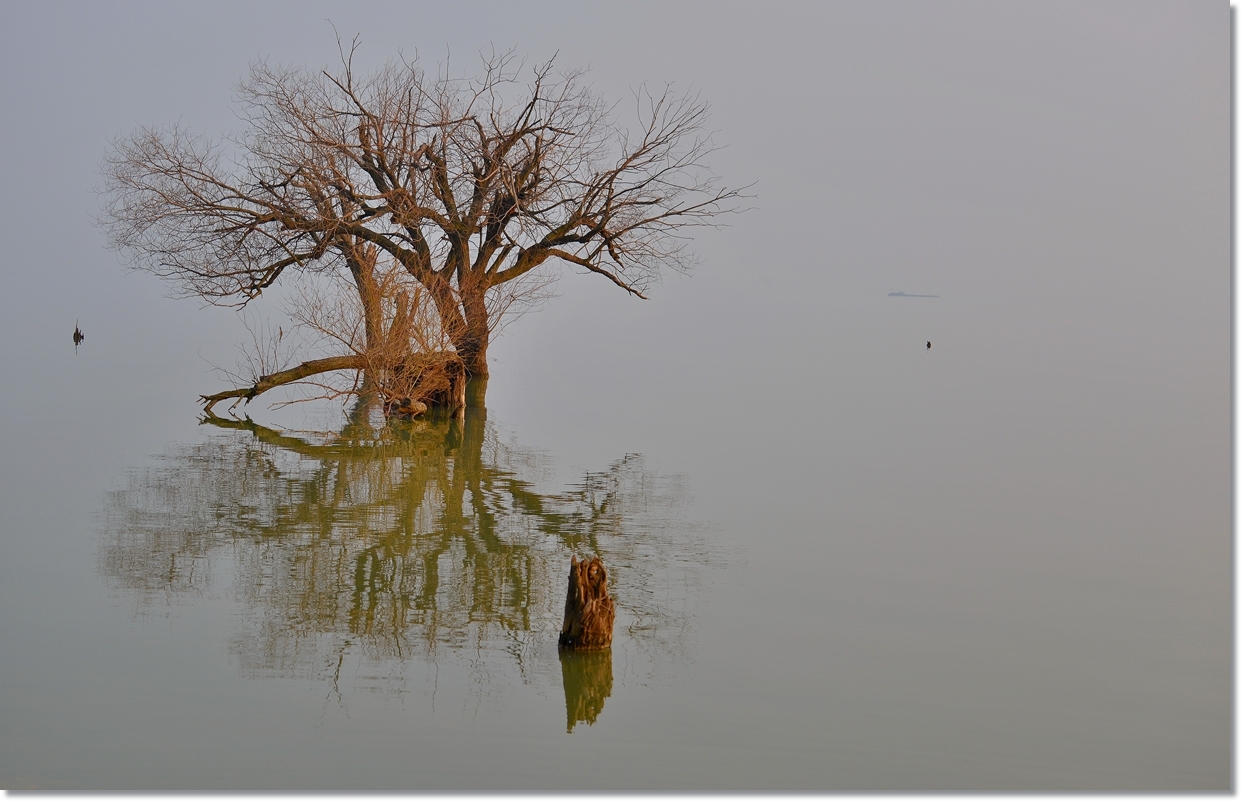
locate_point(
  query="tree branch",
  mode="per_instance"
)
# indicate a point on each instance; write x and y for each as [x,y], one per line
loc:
[265,383]
[594,268]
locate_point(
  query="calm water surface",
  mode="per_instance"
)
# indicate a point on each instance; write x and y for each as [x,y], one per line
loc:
[1002,564]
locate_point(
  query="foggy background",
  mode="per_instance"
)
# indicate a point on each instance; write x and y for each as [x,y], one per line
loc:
[1059,168]
[1023,532]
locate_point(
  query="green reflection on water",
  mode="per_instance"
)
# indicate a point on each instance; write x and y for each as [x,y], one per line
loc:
[397,543]
[587,677]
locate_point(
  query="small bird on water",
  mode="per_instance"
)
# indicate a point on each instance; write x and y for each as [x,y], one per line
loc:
[929,343]
[78,336]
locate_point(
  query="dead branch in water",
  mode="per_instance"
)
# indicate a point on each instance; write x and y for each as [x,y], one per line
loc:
[302,371]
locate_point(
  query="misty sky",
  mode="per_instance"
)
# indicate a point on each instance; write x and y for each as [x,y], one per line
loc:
[1062,167]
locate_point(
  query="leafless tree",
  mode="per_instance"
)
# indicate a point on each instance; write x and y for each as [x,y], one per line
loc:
[473,188]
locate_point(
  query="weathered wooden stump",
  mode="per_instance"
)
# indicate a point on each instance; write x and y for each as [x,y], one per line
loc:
[589,611]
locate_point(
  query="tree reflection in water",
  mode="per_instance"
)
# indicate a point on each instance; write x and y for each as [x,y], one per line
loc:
[391,541]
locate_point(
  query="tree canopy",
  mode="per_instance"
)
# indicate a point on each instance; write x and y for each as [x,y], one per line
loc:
[438,200]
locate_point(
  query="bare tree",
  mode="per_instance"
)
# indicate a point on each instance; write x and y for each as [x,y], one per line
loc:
[470,187]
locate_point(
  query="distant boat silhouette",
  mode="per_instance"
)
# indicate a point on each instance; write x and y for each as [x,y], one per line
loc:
[929,343]
[78,336]
[910,295]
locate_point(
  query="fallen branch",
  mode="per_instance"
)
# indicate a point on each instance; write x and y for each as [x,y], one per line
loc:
[265,383]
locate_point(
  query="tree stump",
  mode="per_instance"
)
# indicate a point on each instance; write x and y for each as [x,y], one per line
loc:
[589,611]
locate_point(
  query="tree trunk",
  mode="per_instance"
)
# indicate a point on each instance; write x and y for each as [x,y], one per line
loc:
[463,315]
[472,343]
[589,611]
[361,261]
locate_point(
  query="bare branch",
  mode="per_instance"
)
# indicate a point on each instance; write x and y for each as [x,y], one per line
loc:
[302,371]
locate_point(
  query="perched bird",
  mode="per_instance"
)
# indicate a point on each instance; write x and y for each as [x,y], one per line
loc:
[929,343]
[78,336]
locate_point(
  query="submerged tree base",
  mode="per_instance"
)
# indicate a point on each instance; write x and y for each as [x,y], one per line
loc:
[417,383]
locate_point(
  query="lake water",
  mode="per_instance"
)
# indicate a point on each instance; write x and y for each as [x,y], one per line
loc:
[855,563]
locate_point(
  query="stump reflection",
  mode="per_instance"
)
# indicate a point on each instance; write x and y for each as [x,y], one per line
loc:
[587,677]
